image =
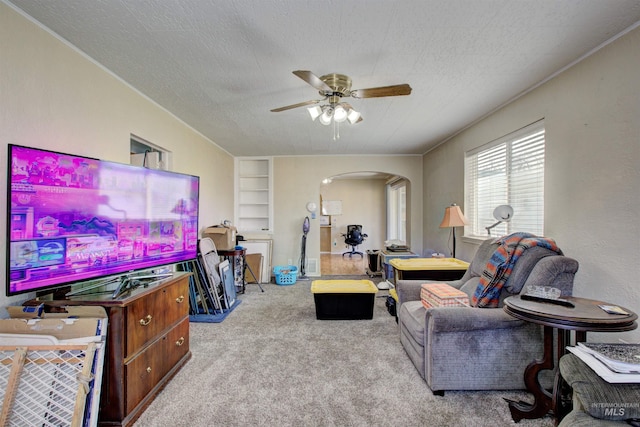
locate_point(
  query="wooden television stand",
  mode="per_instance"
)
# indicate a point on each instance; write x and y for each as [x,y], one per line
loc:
[147,344]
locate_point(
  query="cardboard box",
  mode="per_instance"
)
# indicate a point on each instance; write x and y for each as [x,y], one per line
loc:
[75,324]
[223,237]
[442,295]
[254,268]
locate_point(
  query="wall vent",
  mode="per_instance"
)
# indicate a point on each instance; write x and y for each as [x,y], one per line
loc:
[312,267]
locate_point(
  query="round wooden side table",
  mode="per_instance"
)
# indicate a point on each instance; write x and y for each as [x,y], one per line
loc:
[584,315]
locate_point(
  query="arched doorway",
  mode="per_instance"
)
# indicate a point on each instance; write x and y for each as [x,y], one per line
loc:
[376,200]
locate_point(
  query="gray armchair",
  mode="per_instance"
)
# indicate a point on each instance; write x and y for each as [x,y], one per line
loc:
[468,348]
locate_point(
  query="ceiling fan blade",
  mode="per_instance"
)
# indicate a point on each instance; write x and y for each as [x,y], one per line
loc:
[300,104]
[377,92]
[313,80]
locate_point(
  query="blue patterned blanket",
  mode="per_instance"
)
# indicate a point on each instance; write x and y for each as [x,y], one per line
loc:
[501,263]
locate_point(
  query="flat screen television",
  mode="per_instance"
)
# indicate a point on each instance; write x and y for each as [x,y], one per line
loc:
[72,218]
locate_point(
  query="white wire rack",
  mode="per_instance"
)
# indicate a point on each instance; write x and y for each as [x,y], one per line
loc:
[45,385]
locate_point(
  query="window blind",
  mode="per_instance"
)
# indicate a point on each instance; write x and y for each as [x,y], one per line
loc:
[507,171]
[396,210]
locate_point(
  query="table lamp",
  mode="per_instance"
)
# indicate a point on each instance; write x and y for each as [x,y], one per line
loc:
[453,217]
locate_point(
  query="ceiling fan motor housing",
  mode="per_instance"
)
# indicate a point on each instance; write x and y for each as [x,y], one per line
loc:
[339,83]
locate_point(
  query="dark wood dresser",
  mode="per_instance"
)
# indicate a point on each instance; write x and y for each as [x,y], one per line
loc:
[147,344]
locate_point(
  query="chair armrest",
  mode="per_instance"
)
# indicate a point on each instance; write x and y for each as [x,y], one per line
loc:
[458,319]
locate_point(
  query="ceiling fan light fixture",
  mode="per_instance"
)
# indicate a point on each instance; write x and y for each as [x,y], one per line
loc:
[339,114]
[314,112]
[352,116]
[333,88]
[326,116]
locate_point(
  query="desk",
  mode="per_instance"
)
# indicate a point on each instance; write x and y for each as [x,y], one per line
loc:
[385,258]
[585,316]
[428,268]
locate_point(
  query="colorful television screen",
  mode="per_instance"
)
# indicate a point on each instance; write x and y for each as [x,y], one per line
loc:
[73,218]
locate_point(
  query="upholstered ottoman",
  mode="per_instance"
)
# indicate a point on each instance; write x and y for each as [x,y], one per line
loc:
[343,299]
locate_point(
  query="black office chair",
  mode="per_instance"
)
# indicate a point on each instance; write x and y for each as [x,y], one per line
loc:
[353,238]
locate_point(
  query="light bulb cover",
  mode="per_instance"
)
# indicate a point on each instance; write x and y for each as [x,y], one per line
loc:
[339,114]
[314,112]
[353,116]
[325,118]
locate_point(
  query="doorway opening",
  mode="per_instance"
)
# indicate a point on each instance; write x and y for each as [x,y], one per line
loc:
[378,201]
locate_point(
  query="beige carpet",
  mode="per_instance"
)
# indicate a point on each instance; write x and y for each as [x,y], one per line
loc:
[271,363]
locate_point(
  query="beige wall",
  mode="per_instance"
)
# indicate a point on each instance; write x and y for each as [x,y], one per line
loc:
[592,174]
[364,203]
[297,180]
[55,98]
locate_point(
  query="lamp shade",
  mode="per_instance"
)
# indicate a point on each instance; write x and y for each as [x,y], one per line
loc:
[503,213]
[453,217]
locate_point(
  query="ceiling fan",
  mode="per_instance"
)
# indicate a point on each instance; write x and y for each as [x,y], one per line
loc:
[334,87]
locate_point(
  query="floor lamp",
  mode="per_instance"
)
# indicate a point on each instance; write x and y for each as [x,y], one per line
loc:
[502,213]
[453,217]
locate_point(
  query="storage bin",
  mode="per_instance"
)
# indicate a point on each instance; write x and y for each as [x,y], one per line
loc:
[343,299]
[285,274]
[392,303]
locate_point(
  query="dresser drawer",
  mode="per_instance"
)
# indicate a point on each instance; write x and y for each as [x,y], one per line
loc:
[142,373]
[176,302]
[176,345]
[149,317]
[146,369]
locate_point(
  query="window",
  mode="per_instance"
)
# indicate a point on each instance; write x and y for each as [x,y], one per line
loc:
[397,210]
[144,153]
[507,171]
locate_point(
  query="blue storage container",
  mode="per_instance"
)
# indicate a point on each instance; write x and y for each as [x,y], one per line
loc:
[285,274]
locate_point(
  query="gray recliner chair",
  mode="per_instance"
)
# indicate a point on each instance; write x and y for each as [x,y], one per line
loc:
[469,348]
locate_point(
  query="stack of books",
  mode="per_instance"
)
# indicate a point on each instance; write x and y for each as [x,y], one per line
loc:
[615,363]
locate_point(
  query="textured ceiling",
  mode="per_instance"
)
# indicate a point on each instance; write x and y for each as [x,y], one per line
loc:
[221,65]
